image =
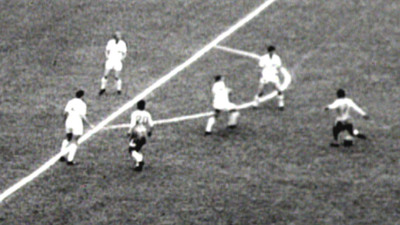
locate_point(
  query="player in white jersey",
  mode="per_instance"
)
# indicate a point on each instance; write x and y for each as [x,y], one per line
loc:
[115,54]
[271,64]
[74,116]
[140,128]
[343,121]
[221,103]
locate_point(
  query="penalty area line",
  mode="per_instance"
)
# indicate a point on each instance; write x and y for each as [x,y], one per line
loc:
[285,85]
[143,94]
[238,52]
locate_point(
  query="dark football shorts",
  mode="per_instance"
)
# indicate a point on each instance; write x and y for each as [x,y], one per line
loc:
[136,143]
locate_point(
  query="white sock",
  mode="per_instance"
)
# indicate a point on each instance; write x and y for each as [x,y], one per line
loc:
[71,151]
[281,102]
[119,84]
[233,118]
[137,156]
[256,100]
[103,83]
[64,146]
[210,123]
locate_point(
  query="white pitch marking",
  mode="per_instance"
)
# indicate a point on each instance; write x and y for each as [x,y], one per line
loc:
[131,103]
[286,82]
[238,52]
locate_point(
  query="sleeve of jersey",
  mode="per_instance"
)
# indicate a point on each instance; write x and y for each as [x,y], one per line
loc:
[279,62]
[356,108]
[124,48]
[261,63]
[151,122]
[108,47]
[67,107]
[334,105]
[84,109]
[133,120]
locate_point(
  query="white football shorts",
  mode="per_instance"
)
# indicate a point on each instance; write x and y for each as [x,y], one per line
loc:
[271,78]
[74,126]
[115,64]
[224,106]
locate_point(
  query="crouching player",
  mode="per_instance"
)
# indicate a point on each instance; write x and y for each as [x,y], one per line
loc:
[343,119]
[221,103]
[140,128]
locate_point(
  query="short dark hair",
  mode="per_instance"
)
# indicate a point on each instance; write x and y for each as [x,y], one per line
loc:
[341,93]
[141,104]
[79,94]
[217,77]
[271,48]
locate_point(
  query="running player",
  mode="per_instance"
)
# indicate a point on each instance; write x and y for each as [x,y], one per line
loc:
[140,128]
[74,116]
[115,54]
[342,105]
[271,64]
[221,103]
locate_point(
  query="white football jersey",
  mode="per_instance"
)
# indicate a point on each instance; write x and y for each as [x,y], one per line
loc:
[76,108]
[140,119]
[117,50]
[343,106]
[220,92]
[270,64]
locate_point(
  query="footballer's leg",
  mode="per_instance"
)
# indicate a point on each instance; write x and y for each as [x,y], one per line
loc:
[280,96]
[336,131]
[72,148]
[108,67]
[118,69]
[233,116]
[65,145]
[350,128]
[104,81]
[135,146]
[118,81]
[260,93]
[211,122]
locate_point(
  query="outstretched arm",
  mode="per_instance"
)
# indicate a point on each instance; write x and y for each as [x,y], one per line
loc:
[334,105]
[359,110]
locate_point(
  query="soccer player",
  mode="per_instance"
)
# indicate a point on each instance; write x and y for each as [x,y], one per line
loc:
[115,54]
[140,128]
[74,116]
[221,103]
[271,64]
[342,105]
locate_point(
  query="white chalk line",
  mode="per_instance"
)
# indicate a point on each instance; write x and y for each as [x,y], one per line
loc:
[238,52]
[286,82]
[131,103]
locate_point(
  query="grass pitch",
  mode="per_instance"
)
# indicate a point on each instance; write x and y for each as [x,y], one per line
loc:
[276,168]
